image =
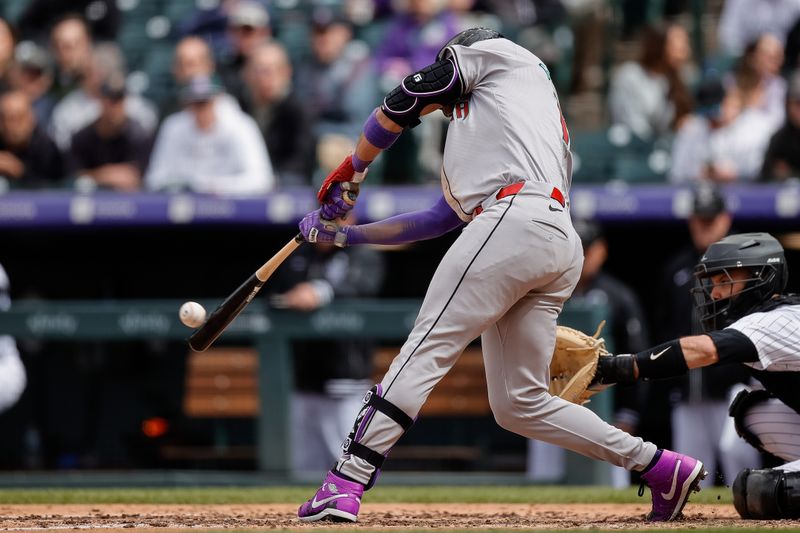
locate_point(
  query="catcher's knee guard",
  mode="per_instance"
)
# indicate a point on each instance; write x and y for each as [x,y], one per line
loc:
[373,401]
[742,403]
[767,494]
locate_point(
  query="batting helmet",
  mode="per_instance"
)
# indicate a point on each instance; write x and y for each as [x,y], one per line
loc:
[468,38]
[762,254]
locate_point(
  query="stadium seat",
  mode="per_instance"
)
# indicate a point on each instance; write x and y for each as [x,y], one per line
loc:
[636,168]
[593,156]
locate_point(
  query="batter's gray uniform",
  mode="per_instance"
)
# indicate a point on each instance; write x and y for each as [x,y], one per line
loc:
[508,274]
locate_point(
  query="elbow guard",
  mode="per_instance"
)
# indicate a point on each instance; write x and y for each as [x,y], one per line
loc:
[437,83]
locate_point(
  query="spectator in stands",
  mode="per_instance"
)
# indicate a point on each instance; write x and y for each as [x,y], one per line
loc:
[413,36]
[206,150]
[628,331]
[516,15]
[82,106]
[782,160]
[102,17]
[743,21]
[13,378]
[721,142]
[72,47]
[114,149]
[757,77]
[7,41]
[193,58]
[338,83]
[471,15]
[248,27]
[282,118]
[311,279]
[28,157]
[649,96]
[700,410]
[33,75]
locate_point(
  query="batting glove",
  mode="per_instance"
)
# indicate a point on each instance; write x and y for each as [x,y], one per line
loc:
[316,228]
[340,199]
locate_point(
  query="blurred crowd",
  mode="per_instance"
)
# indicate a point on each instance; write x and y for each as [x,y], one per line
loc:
[255,94]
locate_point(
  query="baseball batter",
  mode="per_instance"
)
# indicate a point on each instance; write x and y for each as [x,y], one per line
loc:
[506,177]
[749,321]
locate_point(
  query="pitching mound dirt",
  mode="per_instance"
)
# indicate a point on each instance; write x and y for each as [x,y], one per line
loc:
[390,516]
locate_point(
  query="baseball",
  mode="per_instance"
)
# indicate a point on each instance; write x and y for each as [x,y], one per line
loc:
[192,314]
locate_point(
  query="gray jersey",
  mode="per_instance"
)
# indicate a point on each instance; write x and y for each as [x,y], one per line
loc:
[507,128]
[776,336]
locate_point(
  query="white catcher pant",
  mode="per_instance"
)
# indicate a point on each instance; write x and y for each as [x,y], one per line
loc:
[506,279]
[777,426]
[703,430]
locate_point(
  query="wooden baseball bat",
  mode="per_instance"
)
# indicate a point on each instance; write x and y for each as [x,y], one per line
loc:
[230,308]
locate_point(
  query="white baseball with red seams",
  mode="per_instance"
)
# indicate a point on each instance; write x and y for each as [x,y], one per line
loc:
[192,314]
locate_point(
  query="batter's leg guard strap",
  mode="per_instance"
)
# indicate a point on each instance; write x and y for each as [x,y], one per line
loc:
[767,494]
[742,403]
[373,401]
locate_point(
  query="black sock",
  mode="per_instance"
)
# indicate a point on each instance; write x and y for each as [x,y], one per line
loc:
[653,461]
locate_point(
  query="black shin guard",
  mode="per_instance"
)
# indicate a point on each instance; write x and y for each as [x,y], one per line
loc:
[767,494]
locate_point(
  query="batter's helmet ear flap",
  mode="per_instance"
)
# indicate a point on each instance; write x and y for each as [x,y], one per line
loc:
[468,38]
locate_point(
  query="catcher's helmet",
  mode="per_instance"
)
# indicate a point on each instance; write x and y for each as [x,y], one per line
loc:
[468,38]
[762,254]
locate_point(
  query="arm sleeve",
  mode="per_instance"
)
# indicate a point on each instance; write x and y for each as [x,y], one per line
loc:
[733,346]
[408,227]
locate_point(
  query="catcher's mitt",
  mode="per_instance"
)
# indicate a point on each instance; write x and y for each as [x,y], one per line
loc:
[575,363]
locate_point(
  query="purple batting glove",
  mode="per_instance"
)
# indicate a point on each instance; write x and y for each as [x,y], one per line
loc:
[340,199]
[316,228]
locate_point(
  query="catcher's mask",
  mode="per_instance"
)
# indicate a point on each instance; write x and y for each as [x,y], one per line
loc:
[468,38]
[763,258]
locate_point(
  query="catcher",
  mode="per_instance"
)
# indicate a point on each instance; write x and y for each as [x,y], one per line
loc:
[506,177]
[747,320]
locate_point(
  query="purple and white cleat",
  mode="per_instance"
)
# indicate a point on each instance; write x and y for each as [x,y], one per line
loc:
[337,499]
[671,480]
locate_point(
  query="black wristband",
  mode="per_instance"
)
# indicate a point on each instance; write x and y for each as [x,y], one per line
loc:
[614,369]
[663,361]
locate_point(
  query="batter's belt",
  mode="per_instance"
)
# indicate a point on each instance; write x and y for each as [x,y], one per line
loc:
[514,188]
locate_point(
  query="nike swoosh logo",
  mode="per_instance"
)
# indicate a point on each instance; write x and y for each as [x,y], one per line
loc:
[323,501]
[554,209]
[654,356]
[671,493]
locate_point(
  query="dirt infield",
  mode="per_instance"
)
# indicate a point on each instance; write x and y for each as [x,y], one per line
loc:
[378,515]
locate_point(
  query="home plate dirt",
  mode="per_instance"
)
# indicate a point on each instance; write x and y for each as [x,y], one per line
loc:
[377,515]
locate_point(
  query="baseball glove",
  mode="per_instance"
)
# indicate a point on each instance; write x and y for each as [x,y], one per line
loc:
[575,363]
